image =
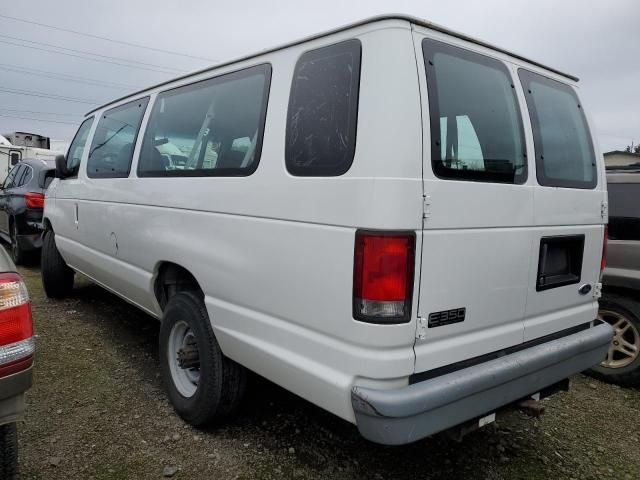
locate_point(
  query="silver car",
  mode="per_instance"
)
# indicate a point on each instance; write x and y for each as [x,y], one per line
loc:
[620,304]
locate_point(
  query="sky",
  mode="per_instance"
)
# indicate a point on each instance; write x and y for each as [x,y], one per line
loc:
[597,41]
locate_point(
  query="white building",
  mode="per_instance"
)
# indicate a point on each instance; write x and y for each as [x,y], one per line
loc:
[619,158]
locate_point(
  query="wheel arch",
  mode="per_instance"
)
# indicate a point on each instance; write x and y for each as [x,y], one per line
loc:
[171,278]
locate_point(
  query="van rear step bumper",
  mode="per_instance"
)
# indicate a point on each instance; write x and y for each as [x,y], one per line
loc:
[404,415]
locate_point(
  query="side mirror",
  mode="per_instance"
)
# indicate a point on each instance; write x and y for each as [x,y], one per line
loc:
[61,167]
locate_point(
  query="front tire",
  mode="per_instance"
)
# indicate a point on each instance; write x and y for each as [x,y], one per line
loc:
[622,365]
[203,385]
[57,276]
[8,451]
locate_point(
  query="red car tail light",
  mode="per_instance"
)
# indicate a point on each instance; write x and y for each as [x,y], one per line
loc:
[605,241]
[34,200]
[17,344]
[383,276]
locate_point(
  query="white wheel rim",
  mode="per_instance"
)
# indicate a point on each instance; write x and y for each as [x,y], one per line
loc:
[184,378]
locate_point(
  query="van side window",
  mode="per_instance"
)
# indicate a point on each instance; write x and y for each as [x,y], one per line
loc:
[210,128]
[76,149]
[113,142]
[564,151]
[323,111]
[476,127]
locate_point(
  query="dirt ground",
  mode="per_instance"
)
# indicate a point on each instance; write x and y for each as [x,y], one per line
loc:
[98,411]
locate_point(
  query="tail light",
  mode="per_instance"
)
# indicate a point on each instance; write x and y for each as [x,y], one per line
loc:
[603,261]
[16,327]
[383,277]
[34,200]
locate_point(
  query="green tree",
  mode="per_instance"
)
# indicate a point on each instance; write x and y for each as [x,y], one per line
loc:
[633,149]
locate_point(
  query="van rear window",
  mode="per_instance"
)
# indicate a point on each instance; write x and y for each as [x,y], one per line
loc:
[476,127]
[323,111]
[564,151]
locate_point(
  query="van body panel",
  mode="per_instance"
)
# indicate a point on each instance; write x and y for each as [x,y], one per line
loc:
[568,211]
[272,252]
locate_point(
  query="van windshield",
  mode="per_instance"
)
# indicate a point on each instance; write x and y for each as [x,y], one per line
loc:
[564,151]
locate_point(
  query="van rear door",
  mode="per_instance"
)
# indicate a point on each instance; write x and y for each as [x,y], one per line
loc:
[569,209]
[479,205]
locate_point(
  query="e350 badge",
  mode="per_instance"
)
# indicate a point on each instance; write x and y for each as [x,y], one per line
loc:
[447,317]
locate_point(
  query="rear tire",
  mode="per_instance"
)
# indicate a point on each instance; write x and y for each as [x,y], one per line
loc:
[18,255]
[205,390]
[57,277]
[621,367]
[8,451]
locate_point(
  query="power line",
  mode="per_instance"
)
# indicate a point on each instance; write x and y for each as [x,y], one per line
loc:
[77,115]
[49,95]
[121,42]
[38,119]
[64,76]
[85,52]
[85,58]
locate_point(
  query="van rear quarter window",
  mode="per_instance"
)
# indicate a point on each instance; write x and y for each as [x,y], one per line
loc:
[564,150]
[209,128]
[476,127]
[323,111]
[114,140]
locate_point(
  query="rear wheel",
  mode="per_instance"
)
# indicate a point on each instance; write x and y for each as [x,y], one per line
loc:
[57,277]
[622,364]
[17,253]
[8,451]
[203,385]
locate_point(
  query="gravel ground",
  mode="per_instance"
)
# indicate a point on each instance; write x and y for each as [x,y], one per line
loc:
[98,411]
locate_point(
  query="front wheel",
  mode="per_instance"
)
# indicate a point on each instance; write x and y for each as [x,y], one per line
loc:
[203,385]
[622,364]
[57,276]
[8,451]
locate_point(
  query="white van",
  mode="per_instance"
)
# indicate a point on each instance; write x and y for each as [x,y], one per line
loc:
[396,222]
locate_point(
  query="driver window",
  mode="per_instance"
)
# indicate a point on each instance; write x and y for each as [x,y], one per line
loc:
[76,149]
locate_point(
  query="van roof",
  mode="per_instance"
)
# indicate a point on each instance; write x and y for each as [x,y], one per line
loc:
[408,18]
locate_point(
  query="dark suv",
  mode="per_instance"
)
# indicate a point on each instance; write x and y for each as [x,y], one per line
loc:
[21,206]
[620,303]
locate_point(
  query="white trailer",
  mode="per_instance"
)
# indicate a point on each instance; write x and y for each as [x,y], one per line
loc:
[10,155]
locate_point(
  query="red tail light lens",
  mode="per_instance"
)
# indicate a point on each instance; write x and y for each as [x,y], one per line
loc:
[383,277]
[603,262]
[34,200]
[16,327]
